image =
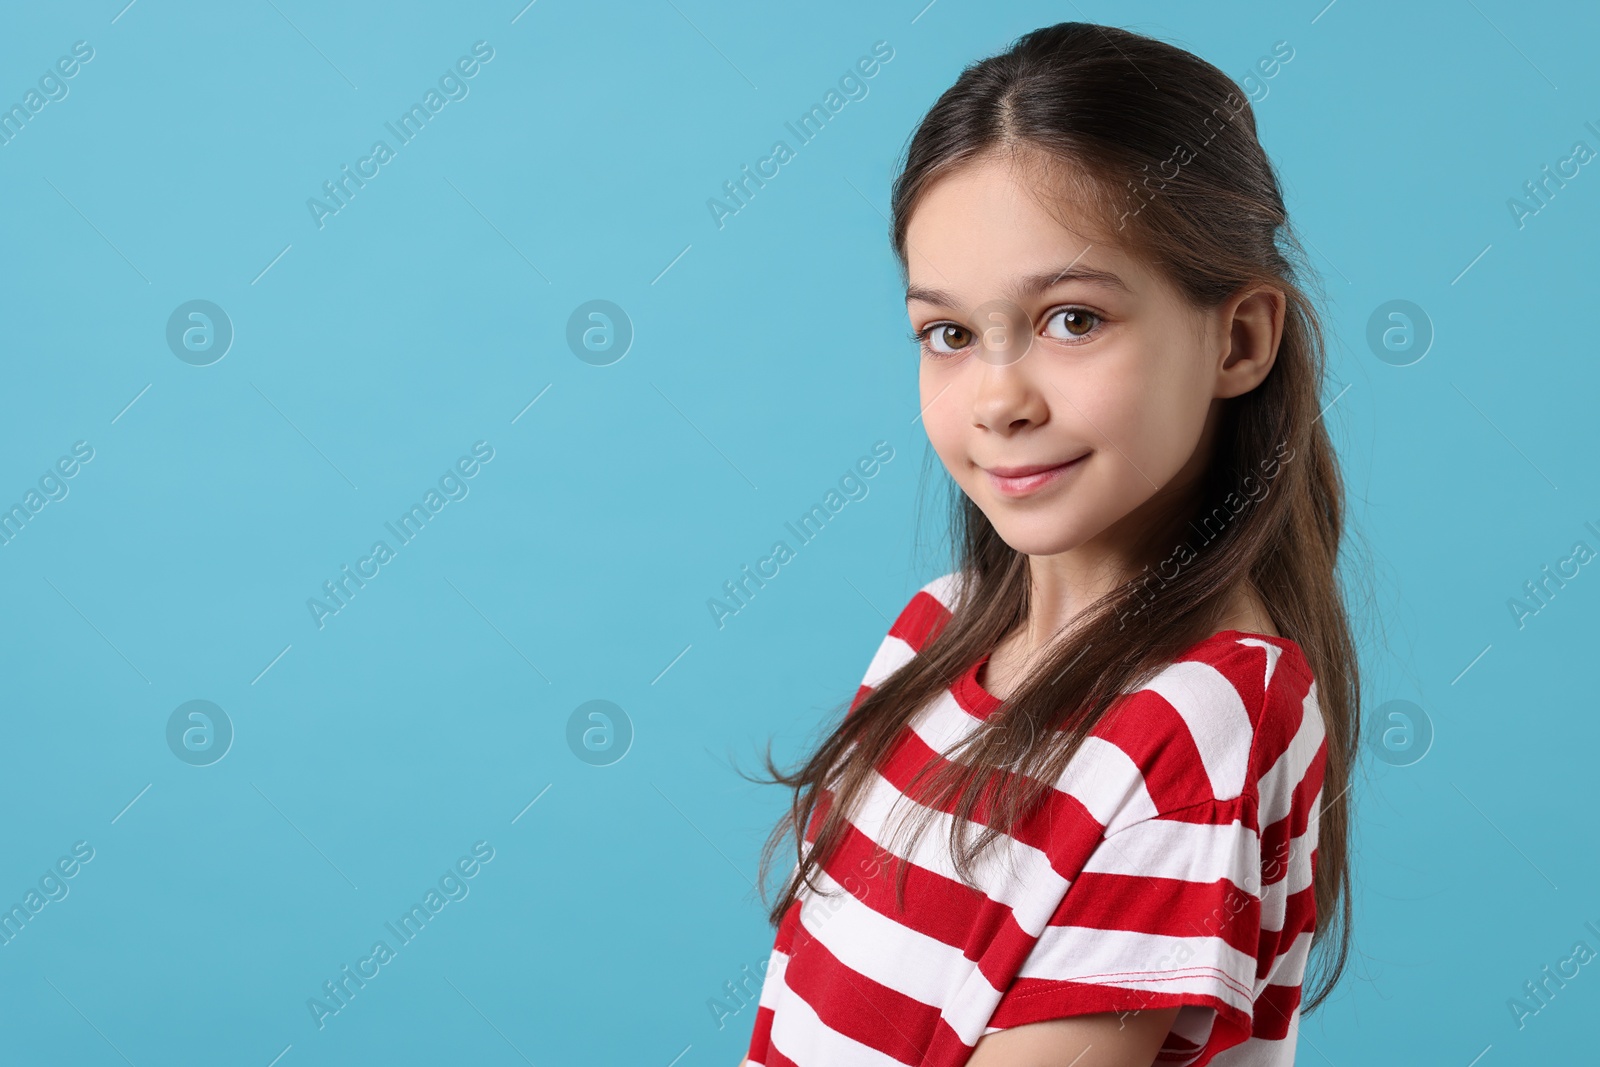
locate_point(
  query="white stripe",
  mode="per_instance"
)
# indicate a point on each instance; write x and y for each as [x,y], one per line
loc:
[1190,851]
[945,589]
[1105,780]
[879,948]
[1009,873]
[920,967]
[1100,775]
[892,654]
[1290,966]
[942,723]
[1275,896]
[970,1010]
[1314,822]
[772,987]
[1278,784]
[1176,964]
[1273,652]
[1298,876]
[1210,706]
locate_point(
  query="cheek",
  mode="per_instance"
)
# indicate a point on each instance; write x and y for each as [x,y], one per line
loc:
[934,401]
[1165,434]
[941,399]
[1153,421]
[937,422]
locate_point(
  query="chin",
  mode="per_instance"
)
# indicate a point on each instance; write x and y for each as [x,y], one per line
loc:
[1038,535]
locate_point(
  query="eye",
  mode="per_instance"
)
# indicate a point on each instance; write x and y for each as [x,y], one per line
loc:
[942,338]
[1071,323]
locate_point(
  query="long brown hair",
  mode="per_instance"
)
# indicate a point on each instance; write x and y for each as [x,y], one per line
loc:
[1162,147]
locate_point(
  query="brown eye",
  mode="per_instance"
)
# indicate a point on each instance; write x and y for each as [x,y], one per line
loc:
[947,338]
[1071,323]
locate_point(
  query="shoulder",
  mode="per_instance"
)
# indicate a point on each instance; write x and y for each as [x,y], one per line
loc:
[929,608]
[1212,728]
[918,622]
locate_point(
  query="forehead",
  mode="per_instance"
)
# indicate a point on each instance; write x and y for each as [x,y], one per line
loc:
[985,228]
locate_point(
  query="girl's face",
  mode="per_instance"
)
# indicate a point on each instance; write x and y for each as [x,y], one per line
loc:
[1070,392]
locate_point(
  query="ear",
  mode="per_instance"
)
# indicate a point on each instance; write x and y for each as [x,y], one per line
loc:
[1254,325]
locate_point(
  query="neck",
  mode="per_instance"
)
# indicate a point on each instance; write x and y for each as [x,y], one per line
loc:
[1063,586]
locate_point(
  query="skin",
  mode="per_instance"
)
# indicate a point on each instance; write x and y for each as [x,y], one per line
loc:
[1133,377]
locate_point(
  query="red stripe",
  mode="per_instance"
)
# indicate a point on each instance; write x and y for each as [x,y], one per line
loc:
[1177,1049]
[858,1007]
[784,941]
[761,1039]
[946,1047]
[936,906]
[1283,711]
[1031,1000]
[1275,851]
[1277,838]
[1306,791]
[775,1058]
[1156,738]
[971,697]
[1299,915]
[939,907]
[1272,1010]
[920,621]
[1062,827]
[1169,907]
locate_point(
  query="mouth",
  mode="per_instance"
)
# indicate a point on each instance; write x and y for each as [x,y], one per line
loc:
[1021,481]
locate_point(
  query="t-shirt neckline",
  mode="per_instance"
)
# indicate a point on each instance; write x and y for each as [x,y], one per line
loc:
[977,700]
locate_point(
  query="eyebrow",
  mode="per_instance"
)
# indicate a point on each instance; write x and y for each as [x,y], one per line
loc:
[1031,285]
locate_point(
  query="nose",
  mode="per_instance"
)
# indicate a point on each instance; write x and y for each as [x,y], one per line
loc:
[1007,398]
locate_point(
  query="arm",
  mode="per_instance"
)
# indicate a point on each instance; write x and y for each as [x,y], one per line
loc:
[1102,1039]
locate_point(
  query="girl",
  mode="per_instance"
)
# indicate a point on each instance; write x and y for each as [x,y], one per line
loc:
[1088,805]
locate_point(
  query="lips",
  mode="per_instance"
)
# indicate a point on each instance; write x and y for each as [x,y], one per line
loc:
[1020,481]
[1023,472]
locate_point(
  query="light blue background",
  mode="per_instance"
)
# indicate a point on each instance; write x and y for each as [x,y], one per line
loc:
[429,312]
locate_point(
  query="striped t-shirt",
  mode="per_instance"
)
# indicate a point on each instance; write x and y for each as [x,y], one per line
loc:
[1171,865]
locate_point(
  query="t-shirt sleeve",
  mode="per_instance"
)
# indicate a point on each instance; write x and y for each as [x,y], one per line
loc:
[1200,902]
[1165,912]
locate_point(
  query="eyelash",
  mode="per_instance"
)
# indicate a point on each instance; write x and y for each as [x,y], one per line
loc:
[920,337]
